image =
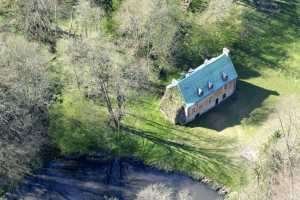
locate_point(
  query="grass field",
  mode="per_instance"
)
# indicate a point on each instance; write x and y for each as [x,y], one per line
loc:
[217,144]
[222,144]
[213,145]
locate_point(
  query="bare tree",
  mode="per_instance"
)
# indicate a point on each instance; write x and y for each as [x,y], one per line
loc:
[144,22]
[23,106]
[113,77]
[88,17]
[155,192]
[37,19]
[289,128]
[184,195]
[277,168]
[161,22]
[24,71]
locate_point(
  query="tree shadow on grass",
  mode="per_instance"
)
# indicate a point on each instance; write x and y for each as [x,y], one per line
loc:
[246,72]
[216,162]
[266,37]
[245,106]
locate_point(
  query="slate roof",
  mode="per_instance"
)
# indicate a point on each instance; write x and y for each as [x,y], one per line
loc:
[210,71]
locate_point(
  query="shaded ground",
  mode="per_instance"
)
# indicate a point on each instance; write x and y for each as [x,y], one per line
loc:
[64,180]
[233,111]
[266,38]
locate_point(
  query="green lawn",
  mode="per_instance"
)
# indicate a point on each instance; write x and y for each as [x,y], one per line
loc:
[213,145]
[265,48]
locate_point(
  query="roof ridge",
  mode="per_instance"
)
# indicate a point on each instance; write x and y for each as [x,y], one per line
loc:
[202,66]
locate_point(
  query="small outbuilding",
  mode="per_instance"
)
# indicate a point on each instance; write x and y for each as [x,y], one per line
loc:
[200,90]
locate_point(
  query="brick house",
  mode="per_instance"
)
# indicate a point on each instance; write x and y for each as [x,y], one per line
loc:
[200,90]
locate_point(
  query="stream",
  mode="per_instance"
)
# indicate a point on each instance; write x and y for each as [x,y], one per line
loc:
[78,180]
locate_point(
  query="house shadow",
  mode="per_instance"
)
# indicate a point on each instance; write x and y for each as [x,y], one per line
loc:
[245,106]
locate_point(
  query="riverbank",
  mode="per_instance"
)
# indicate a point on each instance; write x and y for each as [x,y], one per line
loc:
[87,178]
[101,158]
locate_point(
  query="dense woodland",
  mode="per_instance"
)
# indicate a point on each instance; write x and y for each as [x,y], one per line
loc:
[81,77]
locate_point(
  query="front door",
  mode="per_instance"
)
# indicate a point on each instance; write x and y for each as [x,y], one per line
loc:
[217,101]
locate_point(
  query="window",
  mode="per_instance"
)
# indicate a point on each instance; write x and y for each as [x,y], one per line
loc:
[190,112]
[224,76]
[200,92]
[217,101]
[224,96]
[199,106]
[210,85]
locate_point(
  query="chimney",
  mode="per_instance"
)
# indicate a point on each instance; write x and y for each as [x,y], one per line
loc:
[226,51]
[190,71]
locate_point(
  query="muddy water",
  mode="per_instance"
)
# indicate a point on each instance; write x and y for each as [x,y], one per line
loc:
[77,180]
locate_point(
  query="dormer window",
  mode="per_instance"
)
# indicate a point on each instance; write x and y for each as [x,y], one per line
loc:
[210,85]
[224,76]
[200,92]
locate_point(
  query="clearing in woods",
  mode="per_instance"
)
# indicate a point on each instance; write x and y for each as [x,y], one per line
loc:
[218,142]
